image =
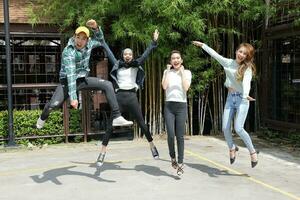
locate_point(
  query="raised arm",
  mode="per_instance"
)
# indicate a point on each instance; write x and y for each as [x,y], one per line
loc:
[110,54]
[223,61]
[152,45]
[98,39]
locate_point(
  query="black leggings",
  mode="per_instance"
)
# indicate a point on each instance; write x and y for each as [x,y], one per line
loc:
[175,117]
[89,83]
[128,102]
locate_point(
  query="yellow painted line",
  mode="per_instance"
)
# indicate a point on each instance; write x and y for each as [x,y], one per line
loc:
[127,160]
[29,170]
[115,161]
[292,196]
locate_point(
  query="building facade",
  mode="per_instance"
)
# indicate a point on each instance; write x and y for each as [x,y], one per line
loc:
[280,70]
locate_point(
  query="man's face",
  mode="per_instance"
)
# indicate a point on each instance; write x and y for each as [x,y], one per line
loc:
[80,40]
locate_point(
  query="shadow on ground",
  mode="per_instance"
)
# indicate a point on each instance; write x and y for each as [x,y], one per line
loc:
[53,175]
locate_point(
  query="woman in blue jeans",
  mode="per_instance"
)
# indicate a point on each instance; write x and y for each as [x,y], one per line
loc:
[239,72]
[176,81]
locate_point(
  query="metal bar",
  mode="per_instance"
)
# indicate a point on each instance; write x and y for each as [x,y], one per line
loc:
[66,116]
[50,136]
[30,86]
[11,135]
[41,35]
[84,114]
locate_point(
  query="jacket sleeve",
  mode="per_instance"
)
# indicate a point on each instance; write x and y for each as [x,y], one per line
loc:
[110,54]
[97,38]
[68,61]
[146,53]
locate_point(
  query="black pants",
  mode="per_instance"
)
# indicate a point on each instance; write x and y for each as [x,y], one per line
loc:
[128,102]
[175,117]
[89,83]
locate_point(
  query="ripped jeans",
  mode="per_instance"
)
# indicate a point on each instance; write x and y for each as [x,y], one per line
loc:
[89,83]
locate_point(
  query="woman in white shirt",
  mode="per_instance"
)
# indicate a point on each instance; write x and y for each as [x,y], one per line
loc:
[176,81]
[239,72]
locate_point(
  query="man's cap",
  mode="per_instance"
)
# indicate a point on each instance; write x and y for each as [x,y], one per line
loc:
[82,29]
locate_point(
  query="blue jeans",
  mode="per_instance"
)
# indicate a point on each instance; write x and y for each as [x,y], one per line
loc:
[235,104]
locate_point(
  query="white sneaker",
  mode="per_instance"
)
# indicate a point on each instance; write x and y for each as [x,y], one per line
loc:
[40,123]
[100,160]
[120,121]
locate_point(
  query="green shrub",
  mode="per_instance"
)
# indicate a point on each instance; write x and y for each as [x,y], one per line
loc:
[3,124]
[75,121]
[25,121]
[291,138]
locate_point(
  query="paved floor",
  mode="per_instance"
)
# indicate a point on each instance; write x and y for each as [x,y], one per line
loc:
[68,171]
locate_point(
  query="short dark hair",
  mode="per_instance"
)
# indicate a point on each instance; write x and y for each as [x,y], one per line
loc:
[175,51]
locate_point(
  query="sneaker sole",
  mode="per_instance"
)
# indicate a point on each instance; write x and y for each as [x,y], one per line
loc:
[122,124]
[179,174]
[98,164]
[39,127]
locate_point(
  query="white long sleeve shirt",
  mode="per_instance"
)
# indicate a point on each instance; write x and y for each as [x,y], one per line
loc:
[230,67]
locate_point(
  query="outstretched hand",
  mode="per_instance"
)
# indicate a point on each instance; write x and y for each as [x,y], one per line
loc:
[92,24]
[250,98]
[155,35]
[197,43]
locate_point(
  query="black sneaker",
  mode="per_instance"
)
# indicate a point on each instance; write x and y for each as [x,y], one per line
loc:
[154,153]
[100,159]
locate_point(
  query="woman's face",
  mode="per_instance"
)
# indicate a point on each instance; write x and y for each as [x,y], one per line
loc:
[241,54]
[127,55]
[176,60]
[80,40]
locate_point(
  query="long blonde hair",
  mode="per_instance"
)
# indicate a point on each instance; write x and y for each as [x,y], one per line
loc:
[248,62]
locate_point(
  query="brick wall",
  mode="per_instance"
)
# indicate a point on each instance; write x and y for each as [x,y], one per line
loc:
[101,72]
[17,11]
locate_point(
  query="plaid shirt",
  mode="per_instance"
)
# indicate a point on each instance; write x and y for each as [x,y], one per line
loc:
[75,63]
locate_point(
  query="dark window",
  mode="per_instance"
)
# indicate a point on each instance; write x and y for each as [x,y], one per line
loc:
[34,61]
[285,88]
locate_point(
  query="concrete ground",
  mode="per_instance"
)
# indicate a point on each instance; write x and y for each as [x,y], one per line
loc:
[68,171]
